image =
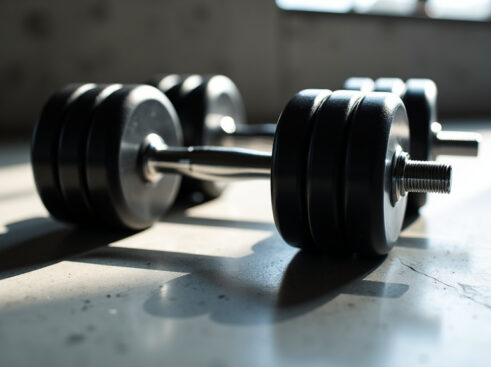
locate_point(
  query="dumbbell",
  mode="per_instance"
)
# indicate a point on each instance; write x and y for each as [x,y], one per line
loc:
[210,108]
[427,138]
[112,155]
[211,112]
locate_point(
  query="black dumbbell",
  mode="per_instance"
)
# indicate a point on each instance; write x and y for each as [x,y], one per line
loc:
[427,138]
[339,172]
[211,112]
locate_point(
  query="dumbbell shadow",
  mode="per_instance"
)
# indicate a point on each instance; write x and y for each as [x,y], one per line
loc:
[38,242]
[265,287]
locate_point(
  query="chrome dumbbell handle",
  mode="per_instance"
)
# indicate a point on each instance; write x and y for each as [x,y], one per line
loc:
[204,163]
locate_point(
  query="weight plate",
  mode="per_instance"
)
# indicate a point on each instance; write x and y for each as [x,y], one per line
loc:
[390,85]
[191,111]
[191,189]
[167,82]
[360,84]
[206,105]
[72,149]
[289,166]
[119,193]
[378,127]
[44,149]
[420,101]
[224,109]
[325,171]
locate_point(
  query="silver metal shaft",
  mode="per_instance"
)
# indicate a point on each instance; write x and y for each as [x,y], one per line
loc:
[207,163]
[454,142]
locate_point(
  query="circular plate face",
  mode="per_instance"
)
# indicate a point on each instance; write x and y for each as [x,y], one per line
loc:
[378,127]
[390,85]
[360,84]
[420,102]
[289,166]
[72,148]
[120,195]
[44,149]
[325,170]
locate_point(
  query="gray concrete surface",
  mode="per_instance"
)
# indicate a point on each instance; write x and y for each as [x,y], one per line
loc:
[215,285]
[270,53]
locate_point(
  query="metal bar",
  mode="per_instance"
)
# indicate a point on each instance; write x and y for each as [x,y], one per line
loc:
[456,143]
[210,163]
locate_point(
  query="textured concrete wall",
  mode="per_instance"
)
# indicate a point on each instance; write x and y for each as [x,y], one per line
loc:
[268,52]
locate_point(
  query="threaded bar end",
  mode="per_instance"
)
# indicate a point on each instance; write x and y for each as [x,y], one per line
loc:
[422,176]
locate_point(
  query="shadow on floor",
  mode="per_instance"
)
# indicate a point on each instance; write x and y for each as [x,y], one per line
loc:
[312,279]
[37,242]
[273,284]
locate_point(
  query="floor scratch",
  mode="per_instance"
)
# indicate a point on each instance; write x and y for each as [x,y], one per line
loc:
[462,290]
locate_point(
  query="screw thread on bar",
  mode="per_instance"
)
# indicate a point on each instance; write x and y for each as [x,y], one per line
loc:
[422,176]
[418,176]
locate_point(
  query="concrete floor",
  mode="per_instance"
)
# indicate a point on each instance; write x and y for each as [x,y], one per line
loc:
[215,285]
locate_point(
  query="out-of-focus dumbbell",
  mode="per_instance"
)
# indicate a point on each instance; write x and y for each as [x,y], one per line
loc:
[428,140]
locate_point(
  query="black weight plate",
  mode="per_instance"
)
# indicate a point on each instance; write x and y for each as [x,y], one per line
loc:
[204,103]
[224,108]
[167,82]
[390,85]
[378,127]
[420,101]
[289,166]
[120,195]
[214,104]
[44,149]
[360,84]
[191,189]
[72,150]
[191,117]
[325,171]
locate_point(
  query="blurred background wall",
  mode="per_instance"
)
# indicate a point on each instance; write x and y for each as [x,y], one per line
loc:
[270,53]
